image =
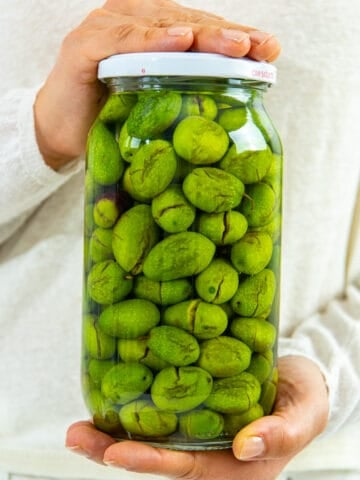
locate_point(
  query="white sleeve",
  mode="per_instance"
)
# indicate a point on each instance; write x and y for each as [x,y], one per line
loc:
[331,339]
[25,179]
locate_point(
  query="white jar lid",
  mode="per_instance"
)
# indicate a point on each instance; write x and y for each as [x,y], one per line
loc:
[185,64]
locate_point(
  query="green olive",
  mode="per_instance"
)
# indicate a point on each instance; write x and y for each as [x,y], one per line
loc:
[223,228]
[200,141]
[257,333]
[224,356]
[97,343]
[234,423]
[174,345]
[201,319]
[126,382]
[252,253]
[260,367]
[152,168]
[129,319]
[105,414]
[128,145]
[103,155]
[258,204]
[172,211]
[106,211]
[117,108]
[100,245]
[163,293]
[133,237]
[255,294]
[179,255]
[218,282]
[234,394]
[108,283]
[268,395]
[153,114]
[181,389]
[213,190]
[250,166]
[143,418]
[198,104]
[132,349]
[201,424]
[97,370]
[233,118]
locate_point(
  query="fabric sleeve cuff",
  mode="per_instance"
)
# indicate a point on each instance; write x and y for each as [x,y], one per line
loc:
[300,347]
[330,339]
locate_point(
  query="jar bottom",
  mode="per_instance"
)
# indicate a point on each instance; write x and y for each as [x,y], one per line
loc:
[184,446]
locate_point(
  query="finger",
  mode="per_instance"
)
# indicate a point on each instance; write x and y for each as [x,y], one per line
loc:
[214,465]
[120,38]
[264,46]
[230,42]
[128,37]
[269,438]
[212,29]
[83,438]
[142,458]
[301,412]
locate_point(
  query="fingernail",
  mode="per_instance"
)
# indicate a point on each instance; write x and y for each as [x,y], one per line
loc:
[78,450]
[260,38]
[251,448]
[234,35]
[112,463]
[179,31]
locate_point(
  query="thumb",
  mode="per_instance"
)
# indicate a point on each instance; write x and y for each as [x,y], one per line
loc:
[269,438]
[300,414]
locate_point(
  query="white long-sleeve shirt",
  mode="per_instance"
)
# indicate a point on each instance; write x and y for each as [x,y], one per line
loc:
[315,106]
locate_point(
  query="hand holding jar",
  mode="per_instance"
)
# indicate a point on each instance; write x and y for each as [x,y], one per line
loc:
[260,451]
[72,96]
[82,100]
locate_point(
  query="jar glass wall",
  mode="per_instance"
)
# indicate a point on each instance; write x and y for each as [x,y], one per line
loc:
[182,260]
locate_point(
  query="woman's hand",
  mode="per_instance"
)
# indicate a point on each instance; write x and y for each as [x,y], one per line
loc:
[71,97]
[260,451]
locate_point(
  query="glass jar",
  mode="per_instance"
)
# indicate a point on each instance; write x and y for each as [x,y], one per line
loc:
[182,250]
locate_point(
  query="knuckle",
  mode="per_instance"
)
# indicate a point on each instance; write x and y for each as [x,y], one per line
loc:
[77,40]
[205,19]
[162,22]
[291,439]
[96,13]
[123,31]
[149,34]
[193,17]
[193,471]
[282,437]
[71,39]
[85,28]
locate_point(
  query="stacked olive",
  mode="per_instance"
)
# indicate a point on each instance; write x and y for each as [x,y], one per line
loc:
[182,239]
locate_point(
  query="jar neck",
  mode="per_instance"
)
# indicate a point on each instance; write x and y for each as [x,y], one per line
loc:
[247,90]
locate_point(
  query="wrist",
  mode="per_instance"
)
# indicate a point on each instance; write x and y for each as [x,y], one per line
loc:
[63,114]
[49,137]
